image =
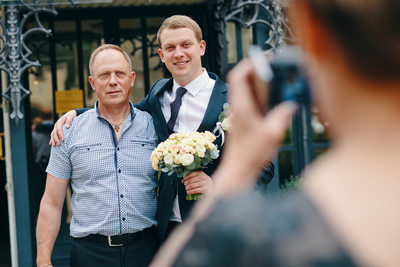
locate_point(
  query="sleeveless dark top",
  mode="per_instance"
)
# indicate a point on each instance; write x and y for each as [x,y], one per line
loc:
[253,230]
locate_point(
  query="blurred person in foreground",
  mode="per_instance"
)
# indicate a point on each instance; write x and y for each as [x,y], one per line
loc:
[346,212]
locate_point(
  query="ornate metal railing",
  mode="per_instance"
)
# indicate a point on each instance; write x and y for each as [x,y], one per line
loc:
[14,53]
[249,13]
[266,12]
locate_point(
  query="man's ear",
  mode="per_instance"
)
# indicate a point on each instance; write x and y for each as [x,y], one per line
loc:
[202,47]
[161,54]
[133,76]
[91,83]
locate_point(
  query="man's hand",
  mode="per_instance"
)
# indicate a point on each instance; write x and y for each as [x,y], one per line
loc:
[57,132]
[197,182]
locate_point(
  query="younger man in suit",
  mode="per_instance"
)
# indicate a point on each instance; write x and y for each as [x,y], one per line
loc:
[200,96]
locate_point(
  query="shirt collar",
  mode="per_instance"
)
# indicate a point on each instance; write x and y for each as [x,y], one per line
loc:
[99,116]
[195,86]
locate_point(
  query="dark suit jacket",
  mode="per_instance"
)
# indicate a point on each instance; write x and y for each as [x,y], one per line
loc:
[168,185]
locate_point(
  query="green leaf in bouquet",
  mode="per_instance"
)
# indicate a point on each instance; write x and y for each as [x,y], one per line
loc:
[192,166]
[205,161]
[193,196]
[170,173]
[197,158]
[178,168]
[158,174]
[186,172]
[165,169]
[214,153]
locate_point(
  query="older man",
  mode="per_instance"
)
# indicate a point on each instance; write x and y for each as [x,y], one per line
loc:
[106,160]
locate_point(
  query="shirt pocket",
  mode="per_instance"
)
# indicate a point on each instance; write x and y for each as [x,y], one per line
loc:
[146,143]
[85,157]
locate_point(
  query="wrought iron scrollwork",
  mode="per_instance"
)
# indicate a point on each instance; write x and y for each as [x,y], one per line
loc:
[248,13]
[267,12]
[14,53]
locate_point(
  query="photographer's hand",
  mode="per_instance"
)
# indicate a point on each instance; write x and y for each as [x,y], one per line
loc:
[255,137]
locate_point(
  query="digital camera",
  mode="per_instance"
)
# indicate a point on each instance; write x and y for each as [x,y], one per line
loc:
[284,75]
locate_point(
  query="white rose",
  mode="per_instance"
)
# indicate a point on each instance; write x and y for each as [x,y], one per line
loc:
[154,164]
[210,136]
[177,159]
[168,159]
[200,149]
[187,159]
[226,125]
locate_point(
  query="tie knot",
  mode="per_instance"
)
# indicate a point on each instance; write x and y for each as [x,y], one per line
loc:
[181,91]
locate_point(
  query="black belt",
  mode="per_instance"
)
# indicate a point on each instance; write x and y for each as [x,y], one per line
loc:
[121,240]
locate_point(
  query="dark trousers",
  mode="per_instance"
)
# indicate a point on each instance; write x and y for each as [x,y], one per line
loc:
[171,226]
[85,253]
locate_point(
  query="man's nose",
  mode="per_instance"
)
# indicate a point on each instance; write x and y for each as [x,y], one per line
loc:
[178,51]
[113,78]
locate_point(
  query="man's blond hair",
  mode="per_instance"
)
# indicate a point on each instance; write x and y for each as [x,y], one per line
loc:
[180,21]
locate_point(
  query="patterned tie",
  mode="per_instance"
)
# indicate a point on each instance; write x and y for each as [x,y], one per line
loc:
[175,106]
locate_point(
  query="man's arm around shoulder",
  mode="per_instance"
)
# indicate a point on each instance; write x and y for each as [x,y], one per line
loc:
[49,219]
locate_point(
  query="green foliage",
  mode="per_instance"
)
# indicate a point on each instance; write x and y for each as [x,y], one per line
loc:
[291,184]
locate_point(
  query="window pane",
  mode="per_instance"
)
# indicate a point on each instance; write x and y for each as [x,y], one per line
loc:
[92,32]
[131,42]
[231,42]
[247,39]
[155,64]
[40,81]
[66,55]
[285,165]
[288,139]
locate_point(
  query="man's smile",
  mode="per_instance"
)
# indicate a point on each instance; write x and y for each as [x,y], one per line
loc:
[181,63]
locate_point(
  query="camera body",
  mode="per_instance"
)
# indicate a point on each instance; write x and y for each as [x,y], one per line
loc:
[285,76]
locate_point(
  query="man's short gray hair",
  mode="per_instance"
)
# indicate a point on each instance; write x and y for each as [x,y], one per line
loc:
[105,47]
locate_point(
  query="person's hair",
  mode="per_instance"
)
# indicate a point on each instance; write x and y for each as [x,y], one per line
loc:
[105,47]
[180,21]
[46,113]
[367,31]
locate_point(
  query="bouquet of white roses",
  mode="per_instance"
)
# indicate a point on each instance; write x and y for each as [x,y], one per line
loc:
[183,153]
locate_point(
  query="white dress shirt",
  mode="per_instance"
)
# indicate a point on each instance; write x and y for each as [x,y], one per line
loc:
[191,112]
[194,103]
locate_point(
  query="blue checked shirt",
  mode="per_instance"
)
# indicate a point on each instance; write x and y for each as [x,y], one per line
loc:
[113,183]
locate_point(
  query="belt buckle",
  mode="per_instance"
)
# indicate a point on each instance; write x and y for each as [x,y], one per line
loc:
[113,245]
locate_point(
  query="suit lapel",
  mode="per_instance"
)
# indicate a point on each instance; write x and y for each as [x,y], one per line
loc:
[215,105]
[158,116]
